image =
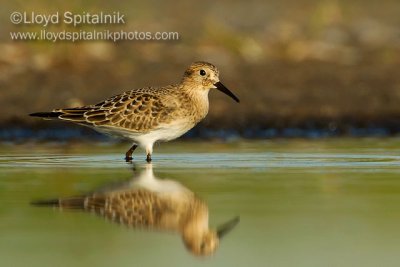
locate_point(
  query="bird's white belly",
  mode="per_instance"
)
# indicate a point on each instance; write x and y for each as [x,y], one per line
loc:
[162,133]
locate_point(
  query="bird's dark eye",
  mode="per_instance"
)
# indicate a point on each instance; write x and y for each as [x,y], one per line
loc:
[202,72]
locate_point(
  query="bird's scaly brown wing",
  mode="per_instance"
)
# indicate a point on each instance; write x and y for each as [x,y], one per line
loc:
[137,111]
[138,208]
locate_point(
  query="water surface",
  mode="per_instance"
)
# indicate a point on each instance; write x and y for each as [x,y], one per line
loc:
[333,202]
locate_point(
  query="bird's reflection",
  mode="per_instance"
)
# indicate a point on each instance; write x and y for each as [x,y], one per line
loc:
[156,204]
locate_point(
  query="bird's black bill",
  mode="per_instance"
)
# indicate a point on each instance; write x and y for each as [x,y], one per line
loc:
[227,227]
[226,91]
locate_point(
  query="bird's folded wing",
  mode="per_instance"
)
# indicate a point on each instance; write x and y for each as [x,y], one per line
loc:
[137,208]
[136,110]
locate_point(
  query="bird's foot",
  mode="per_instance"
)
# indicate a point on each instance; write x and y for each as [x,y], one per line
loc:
[128,159]
[148,158]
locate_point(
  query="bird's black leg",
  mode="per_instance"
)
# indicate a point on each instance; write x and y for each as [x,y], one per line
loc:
[128,154]
[148,158]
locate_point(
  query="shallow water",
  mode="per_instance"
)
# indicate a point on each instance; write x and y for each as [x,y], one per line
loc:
[333,202]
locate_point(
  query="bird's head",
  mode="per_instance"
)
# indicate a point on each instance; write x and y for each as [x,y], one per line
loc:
[205,243]
[205,76]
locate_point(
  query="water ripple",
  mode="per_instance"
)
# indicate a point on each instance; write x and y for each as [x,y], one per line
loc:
[209,160]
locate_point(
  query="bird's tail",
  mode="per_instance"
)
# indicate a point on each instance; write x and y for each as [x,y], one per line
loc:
[68,114]
[47,115]
[65,203]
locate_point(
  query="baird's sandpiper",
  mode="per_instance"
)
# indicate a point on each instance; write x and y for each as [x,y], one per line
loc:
[150,114]
[147,202]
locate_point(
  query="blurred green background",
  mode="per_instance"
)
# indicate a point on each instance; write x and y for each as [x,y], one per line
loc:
[325,66]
